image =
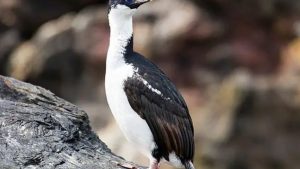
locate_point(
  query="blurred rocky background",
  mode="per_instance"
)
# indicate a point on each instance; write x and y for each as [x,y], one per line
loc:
[236,62]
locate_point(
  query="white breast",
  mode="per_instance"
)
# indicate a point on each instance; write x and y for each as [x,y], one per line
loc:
[132,125]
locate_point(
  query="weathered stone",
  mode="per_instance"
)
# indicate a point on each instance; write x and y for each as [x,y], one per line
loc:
[40,130]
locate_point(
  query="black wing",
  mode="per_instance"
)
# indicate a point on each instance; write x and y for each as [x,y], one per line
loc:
[164,110]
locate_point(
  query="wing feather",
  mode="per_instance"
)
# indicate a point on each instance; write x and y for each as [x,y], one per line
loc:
[166,112]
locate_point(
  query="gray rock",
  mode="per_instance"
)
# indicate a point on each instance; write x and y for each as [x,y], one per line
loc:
[40,130]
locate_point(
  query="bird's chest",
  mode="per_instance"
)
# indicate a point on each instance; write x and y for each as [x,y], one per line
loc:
[114,87]
[132,125]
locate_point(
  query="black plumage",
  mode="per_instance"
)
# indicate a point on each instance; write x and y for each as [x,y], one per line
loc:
[165,110]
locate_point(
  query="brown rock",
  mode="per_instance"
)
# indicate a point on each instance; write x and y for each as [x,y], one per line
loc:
[291,59]
[253,124]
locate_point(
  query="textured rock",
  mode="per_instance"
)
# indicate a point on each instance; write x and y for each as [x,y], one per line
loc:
[40,130]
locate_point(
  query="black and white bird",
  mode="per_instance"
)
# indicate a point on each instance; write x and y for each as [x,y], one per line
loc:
[149,110]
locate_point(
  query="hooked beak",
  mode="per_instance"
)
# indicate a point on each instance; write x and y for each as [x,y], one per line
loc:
[138,3]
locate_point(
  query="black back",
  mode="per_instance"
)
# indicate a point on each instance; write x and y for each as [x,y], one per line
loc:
[166,113]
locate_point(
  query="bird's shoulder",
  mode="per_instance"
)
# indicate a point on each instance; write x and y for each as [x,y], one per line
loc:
[151,83]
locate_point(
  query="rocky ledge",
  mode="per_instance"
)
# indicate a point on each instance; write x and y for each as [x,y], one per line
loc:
[41,130]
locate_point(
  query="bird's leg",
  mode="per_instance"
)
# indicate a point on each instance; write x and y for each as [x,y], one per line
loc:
[154,164]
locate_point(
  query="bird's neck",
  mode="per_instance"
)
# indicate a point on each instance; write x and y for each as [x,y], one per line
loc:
[121,38]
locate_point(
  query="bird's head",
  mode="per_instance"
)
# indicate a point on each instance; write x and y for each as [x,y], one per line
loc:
[120,14]
[129,5]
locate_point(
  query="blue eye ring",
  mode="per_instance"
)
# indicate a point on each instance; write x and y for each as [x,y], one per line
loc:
[133,4]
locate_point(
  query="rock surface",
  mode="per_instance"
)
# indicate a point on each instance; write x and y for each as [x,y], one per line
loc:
[40,130]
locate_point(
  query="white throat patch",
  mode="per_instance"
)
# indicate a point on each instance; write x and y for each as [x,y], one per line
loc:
[121,29]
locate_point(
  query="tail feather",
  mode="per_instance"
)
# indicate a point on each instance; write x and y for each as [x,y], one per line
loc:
[189,165]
